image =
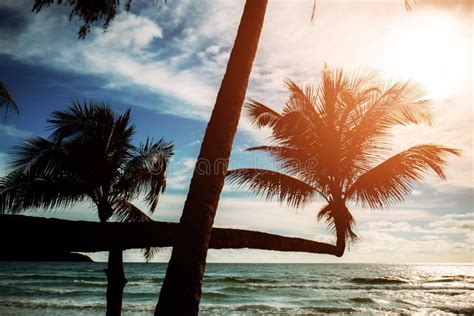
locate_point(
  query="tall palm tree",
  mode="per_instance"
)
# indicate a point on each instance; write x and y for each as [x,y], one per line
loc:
[331,141]
[181,290]
[6,101]
[89,156]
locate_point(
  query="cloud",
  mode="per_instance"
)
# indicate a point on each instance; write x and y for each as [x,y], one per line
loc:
[10,130]
[180,175]
[129,32]
[3,164]
[449,224]
[453,226]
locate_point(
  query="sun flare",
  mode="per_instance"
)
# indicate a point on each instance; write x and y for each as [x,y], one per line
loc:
[432,49]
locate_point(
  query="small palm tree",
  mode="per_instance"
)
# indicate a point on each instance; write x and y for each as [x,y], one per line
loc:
[89,157]
[331,141]
[6,101]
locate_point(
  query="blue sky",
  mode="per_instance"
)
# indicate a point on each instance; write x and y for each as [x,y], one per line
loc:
[166,64]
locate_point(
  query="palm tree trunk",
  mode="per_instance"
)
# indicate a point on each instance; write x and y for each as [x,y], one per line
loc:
[181,290]
[115,282]
[83,236]
[115,276]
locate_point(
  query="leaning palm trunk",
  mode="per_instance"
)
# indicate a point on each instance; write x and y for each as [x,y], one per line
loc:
[181,290]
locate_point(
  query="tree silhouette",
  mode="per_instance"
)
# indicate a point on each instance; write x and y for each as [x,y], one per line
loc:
[331,140]
[88,11]
[89,156]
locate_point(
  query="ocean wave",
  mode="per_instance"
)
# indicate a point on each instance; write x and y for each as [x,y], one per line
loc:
[377,280]
[461,310]
[15,291]
[69,305]
[363,300]
[57,304]
[49,277]
[216,295]
[269,309]
[448,292]
[451,278]
[235,279]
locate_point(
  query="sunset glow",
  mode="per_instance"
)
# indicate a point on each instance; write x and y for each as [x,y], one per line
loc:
[431,48]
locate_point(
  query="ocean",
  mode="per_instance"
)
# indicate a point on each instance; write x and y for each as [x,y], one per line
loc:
[245,289]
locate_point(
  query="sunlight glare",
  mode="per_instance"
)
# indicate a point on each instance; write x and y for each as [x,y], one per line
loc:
[432,49]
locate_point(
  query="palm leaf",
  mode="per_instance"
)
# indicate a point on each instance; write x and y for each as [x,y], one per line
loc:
[298,162]
[21,191]
[6,100]
[365,137]
[338,219]
[147,171]
[272,184]
[150,252]
[260,114]
[126,212]
[38,155]
[392,180]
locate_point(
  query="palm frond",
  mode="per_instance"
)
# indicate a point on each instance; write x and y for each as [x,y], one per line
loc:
[150,252]
[338,219]
[84,122]
[6,100]
[20,191]
[147,171]
[38,155]
[302,99]
[393,179]
[300,163]
[367,128]
[260,114]
[126,212]
[272,184]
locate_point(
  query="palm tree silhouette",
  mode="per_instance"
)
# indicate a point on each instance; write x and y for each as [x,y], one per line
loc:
[89,156]
[331,141]
[6,101]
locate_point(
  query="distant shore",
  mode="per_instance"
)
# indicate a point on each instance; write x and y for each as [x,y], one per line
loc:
[26,255]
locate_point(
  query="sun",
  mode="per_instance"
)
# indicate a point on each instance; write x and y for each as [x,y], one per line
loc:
[433,49]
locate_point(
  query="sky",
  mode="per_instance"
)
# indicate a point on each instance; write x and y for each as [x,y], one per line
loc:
[166,63]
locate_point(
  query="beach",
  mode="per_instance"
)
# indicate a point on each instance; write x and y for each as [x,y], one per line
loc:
[286,289]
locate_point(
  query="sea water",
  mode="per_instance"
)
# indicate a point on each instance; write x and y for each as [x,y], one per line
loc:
[245,289]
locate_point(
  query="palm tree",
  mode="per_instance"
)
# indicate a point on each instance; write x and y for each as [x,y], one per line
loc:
[331,140]
[181,290]
[89,157]
[6,100]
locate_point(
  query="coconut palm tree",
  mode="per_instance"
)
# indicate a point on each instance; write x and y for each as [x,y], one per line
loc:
[331,141]
[89,156]
[181,290]
[6,101]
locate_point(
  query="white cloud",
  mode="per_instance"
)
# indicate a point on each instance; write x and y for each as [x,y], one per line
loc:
[10,130]
[128,32]
[180,175]
[3,164]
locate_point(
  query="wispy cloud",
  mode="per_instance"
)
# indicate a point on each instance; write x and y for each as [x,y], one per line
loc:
[10,130]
